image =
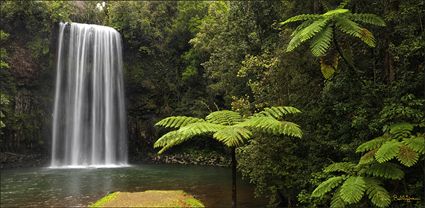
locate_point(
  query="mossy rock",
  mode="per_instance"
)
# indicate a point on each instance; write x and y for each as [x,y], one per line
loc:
[150,198]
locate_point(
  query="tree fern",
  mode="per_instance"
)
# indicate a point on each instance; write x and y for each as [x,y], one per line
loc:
[352,189]
[177,121]
[388,151]
[345,167]
[327,186]
[321,26]
[385,170]
[377,194]
[224,117]
[233,136]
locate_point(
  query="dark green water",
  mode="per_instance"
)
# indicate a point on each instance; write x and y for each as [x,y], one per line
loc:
[42,187]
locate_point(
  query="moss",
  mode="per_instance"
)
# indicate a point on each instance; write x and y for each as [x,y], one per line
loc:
[149,198]
[192,202]
[104,200]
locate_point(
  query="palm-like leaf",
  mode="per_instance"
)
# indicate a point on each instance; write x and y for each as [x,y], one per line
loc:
[352,189]
[327,186]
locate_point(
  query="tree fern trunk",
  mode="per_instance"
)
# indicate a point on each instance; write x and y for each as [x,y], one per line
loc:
[233,177]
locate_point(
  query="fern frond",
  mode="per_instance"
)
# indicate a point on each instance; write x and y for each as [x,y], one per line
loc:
[377,194]
[272,126]
[165,139]
[368,157]
[351,28]
[343,4]
[307,33]
[337,201]
[401,130]
[368,19]
[327,186]
[233,136]
[177,121]
[301,17]
[417,143]
[224,117]
[345,167]
[372,144]
[278,112]
[185,133]
[322,42]
[387,151]
[401,127]
[301,26]
[385,170]
[352,190]
[336,12]
[407,156]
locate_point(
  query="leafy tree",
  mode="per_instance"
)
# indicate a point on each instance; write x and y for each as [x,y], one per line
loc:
[229,128]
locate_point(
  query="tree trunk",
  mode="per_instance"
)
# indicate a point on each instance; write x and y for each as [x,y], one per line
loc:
[233,177]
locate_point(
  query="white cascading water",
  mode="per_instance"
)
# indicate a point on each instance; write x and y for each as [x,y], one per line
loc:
[89,123]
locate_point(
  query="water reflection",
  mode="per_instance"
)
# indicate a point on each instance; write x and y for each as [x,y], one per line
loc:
[79,187]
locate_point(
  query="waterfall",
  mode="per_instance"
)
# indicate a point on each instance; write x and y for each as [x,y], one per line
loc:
[89,121]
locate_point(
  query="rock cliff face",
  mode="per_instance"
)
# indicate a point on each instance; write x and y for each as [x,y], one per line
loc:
[29,84]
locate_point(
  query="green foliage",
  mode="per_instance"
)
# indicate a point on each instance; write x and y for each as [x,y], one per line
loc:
[385,170]
[178,121]
[225,126]
[352,189]
[377,194]
[397,142]
[356,181]
[327,186]
[323,25]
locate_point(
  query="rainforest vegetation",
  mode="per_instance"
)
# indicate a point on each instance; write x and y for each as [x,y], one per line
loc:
[319,103]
